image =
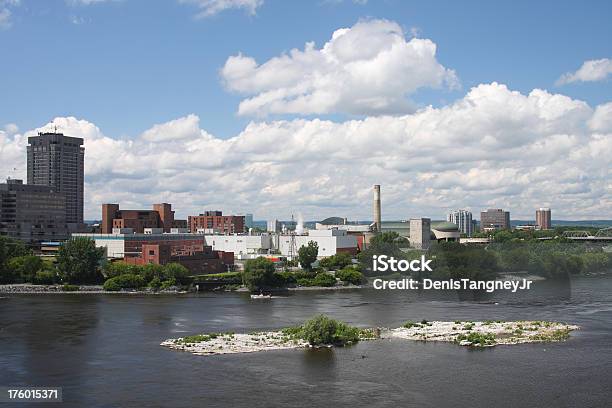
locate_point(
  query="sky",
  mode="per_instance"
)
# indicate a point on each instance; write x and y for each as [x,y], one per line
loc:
[282,107]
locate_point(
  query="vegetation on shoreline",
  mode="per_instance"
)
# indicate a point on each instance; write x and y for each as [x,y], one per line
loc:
[261,274]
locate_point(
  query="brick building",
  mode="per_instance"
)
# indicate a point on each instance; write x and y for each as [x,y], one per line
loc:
[190,250]
[215,221]
[203,261]
[161,216]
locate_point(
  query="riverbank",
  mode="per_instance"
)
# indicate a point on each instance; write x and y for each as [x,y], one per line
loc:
[25,288]
[463,333]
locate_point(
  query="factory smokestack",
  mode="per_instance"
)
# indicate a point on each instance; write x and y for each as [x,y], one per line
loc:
[377,223]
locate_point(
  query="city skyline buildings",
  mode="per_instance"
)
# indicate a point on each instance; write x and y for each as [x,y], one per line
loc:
[463,219]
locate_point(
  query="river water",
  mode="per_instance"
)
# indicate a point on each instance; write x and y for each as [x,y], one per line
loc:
[103,350]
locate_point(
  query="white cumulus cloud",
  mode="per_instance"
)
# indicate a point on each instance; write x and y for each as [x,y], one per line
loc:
[369,68]
[494,147]
[592,70]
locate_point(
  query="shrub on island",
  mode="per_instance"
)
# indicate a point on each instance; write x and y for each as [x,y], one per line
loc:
[321,330]
[477,339]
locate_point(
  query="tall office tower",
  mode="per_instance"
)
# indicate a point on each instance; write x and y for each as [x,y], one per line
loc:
[543,221]
[57,161]
[494,219]
[463,219]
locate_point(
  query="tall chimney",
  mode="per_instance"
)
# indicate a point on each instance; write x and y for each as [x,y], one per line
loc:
[377,223]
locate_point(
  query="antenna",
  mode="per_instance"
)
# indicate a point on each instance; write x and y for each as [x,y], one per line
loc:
[292,244]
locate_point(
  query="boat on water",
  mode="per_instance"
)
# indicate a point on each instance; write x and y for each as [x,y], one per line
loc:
[261,296]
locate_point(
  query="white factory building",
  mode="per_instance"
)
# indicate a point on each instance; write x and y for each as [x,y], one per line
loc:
[330,242]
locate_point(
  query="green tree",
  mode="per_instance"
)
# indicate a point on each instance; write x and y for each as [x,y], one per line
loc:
[258,273]
[177,272]
[336,262]
[10,248]
[307,254]
[78,260]
[389,237]
[25,267]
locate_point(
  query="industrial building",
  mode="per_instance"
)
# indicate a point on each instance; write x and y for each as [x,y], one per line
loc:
[57,161]
[330,242]
[32,213]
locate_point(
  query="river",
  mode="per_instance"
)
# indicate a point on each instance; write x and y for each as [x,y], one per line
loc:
[103,350]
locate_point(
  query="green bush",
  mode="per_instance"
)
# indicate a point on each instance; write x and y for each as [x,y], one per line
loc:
[322,330]
[155,283]
[25,267]
[70,288]
[285,278]
[324,279]
[350,275]
[477,339]
[168,283]
[178,272]
[303,274]
[112,285]
[44,278]
[336,262]
[126,281]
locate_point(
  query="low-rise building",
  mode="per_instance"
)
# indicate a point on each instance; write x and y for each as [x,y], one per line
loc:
[161,216]
[215,220]
[199,262]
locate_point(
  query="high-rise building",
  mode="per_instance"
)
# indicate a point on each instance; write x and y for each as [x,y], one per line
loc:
[32,213]
[248,220]
[463,219]
[543,220]
[494,219]
[57,161]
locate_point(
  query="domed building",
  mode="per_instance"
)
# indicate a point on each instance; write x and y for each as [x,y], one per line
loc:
[444,231]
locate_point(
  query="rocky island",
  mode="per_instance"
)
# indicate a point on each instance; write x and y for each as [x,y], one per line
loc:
[321,331]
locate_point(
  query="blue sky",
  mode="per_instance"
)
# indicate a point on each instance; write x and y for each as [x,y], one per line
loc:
[278,107]
[128,64]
